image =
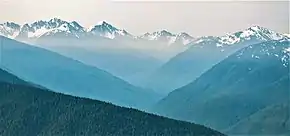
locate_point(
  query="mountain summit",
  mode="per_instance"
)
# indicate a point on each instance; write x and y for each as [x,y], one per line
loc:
[251,33]
[202,54]
[9,29]
[41,28]
[56,27]
[107,30]
[165,36]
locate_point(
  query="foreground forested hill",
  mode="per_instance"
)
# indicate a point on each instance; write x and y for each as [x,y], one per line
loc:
[30,111]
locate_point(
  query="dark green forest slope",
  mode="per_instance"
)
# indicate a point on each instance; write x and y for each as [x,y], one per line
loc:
[30,111]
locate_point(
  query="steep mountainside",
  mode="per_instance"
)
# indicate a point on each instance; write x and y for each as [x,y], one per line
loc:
[9,78]
[202,54]
[272,120]
[66,75]
[242,84]
[29,111]
[126,64]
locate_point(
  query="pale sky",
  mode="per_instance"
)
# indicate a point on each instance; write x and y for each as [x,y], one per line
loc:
[196,18]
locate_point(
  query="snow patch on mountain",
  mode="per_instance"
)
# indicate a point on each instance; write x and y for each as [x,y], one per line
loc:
[279,49]
[229,39]
[252,33]
[50,27]
[184,38]
[55,26]
[287,50]
[167,37]
[103,29]
[287,35]
[9,29]
[247,34]
[107,30]
[172,40]
[157,35]
[219,45]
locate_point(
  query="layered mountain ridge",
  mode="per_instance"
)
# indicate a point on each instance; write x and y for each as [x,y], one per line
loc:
[236,88]
[164,35]
[27,110]
[69,76]
[202,54]
[75,30]
[253,32]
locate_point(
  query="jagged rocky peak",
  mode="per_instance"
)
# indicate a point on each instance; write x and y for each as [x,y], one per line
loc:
[168,37]
[185,35]
[103,26]
[77,26]
[256,33]
[107,30]
[9,29]
[11,25]
[163,33]
[184,38]
[104,23]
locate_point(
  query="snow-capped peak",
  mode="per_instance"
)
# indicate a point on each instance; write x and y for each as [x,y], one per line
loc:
[183,34]
[103,29]
[265,33]
[77,26]
[102,26]
[103,23]
[166,36]
[256,32]
[9,29]
[157,35]
[50,27]
[184,38]
[252,33]
[107,30]
[11,25]
[162,33]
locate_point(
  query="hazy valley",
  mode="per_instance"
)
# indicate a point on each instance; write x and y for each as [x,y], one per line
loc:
[60,78]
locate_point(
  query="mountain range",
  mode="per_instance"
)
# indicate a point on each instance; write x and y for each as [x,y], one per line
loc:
[73,29]
[147,60]
[66,75]
[238,91]
[27,111]
[237,83]
[202,54]
[103,45]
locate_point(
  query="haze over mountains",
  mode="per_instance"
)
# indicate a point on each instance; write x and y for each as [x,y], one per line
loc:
[237,83]
[69,76]
[26,111]
[237,90]
[202,54]
[139,55]
[140,60]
